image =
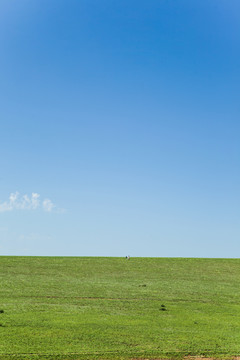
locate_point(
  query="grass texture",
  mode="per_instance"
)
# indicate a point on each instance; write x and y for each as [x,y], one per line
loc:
[113,308]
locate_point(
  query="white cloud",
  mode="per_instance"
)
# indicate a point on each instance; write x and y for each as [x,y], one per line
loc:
[26,202]
[35,200]
[48,205]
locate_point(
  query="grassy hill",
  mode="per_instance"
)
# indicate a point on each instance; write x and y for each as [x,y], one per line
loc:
[113,308]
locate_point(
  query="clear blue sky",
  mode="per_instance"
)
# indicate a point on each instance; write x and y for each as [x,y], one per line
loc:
[120,128]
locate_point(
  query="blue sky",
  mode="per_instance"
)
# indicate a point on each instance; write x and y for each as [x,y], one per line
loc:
[119,128]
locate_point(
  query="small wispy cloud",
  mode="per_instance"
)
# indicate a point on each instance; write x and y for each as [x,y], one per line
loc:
[48,205]
[26,202]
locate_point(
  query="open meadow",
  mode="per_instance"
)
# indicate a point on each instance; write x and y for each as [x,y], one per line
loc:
[114,308]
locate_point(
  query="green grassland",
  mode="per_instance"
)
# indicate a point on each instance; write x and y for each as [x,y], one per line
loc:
[113,308]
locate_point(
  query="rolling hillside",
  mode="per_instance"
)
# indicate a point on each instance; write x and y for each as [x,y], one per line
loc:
[114,308]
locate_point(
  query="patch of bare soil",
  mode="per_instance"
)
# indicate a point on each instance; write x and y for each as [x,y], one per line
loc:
[198,358]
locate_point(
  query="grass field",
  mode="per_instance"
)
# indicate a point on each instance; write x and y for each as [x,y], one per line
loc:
[113,308]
